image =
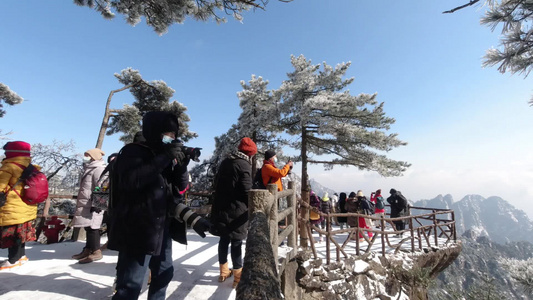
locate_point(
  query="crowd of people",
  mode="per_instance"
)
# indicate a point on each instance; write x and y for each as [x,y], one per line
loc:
[358,203]
[145,211]
[146,182]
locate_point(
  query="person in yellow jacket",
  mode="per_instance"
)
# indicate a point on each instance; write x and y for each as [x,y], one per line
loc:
[269,171]
[16,217]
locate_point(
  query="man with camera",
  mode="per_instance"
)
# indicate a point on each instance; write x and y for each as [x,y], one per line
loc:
[147,183]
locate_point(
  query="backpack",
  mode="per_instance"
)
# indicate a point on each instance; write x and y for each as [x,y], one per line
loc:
[325,206]
[367,206]
[35,185]
[258,184]
[380,203]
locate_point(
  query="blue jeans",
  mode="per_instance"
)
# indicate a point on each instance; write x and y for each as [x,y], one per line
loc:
[131,270]
[236,251]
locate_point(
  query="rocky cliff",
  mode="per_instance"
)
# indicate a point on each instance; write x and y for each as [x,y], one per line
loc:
[400,276]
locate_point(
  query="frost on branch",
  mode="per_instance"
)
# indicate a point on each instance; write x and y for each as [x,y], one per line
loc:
[9,97]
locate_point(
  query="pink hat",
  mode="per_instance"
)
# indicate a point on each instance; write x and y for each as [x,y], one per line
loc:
[17,148]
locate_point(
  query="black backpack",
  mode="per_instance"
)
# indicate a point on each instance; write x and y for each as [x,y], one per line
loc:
[367,206]
[258,184]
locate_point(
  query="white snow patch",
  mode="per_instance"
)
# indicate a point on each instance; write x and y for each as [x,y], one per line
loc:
[360,266]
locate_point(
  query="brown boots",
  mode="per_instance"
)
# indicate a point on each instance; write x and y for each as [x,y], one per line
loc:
[88,256]
[83,254]
[237,277]
[225,272]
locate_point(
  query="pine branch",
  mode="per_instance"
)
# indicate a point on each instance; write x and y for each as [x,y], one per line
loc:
[331,162]
[472,2]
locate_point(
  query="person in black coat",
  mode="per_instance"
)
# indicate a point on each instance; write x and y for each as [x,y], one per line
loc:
[398,205]
[229,213]
[340,208]
[146,184]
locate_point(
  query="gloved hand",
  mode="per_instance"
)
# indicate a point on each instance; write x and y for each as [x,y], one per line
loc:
[185,214]
[201,225]
[173,150]
[219,229]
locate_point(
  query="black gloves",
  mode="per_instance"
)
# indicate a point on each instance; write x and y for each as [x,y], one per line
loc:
[199,224]
[173,150]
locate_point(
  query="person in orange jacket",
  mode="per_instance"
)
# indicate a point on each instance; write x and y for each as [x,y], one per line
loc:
[269,171]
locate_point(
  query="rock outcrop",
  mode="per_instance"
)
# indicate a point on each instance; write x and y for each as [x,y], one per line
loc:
[399,276]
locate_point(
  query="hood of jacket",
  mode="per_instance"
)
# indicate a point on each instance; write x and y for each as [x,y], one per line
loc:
[157,122]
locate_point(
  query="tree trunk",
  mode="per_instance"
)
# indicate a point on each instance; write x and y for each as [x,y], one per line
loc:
[107,114]
[304,212]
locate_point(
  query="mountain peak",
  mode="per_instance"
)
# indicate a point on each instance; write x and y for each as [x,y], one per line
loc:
[493,217]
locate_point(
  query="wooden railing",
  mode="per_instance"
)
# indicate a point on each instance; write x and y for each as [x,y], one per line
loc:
[424,231]
[262,266]
[41,218]
[268,202]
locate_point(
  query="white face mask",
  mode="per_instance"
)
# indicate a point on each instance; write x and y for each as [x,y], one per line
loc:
[275,159]
[86,159]
[166,139]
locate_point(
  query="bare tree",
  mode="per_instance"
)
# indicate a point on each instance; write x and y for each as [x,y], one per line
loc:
[4,135]
[56,158]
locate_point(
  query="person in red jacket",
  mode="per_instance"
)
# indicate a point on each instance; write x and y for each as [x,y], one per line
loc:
[269,171]
[379,204]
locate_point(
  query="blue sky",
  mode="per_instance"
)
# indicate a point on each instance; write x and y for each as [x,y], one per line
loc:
[468,128]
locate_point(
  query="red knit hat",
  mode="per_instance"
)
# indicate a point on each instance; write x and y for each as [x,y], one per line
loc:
[247,146]
[17,148]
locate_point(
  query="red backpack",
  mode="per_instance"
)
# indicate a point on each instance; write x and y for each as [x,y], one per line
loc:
[35,185]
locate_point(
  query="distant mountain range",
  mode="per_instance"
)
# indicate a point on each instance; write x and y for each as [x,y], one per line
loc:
[319,189]
[493,217]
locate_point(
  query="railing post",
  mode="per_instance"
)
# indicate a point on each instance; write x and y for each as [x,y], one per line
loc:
[291,202]
[328,234]
[273,219]
[383,234]
[435,228]
[419,238]
[453,227]
[411,229]
[357,235]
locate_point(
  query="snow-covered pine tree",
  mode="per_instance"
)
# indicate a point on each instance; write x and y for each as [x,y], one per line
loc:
[258,120]
[515,17]
[161,14]
[149,96]
[9,97]
[332,126]
[203,174]
[517,35]
[520,271]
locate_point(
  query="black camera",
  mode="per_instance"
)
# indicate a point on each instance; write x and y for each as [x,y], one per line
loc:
[192,153]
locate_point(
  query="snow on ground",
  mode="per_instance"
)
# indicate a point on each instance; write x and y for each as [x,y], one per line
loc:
[50,273]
